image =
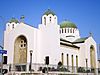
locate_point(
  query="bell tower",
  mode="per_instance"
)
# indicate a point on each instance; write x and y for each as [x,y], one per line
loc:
[12,23]
[50,37]
[49,17]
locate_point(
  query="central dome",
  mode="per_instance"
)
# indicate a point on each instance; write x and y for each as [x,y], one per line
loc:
[67,24]
[49,12]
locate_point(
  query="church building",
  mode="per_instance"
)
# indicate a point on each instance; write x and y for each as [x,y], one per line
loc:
[58,41]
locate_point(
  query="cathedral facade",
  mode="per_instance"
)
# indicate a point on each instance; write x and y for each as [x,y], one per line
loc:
[60,42]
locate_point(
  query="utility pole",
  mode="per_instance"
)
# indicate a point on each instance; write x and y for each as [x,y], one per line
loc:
[2,60]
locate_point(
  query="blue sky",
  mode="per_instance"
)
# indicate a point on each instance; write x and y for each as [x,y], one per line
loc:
[84,13]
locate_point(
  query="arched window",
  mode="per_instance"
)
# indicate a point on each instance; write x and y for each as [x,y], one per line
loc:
[13,26]
[65,30]
[44,20]
[62,58]
[73,30]
[59,31]
[55,17]
[67,60]
[50,18]
[22,44]
[72,63]
[62,30]
[76,61]
[68,30]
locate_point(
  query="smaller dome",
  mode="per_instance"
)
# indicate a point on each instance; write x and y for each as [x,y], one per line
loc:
[67,24]
[49,12]
[13,20]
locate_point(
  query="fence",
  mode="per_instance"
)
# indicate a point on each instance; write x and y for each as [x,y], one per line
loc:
[42,68]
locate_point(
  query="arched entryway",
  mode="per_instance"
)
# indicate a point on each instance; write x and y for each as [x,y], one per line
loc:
[20,50]
[92,57]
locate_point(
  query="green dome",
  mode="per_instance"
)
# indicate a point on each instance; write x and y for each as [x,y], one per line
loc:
[49,12]
[13,20]
[67,24]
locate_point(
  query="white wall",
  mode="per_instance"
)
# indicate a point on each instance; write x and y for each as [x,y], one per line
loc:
[90,41]
[45,41]
[84,52]
[49,42]
[70,51]
[31,35]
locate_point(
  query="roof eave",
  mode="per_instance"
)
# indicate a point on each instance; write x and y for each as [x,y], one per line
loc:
[69,45]
[78,42]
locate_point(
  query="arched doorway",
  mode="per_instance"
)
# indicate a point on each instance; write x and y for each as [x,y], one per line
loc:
[20,50]
[92,57]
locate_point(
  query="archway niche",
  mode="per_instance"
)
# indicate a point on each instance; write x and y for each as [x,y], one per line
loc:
[20,50]
[92,57]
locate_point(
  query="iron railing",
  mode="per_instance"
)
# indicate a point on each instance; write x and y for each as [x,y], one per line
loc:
[51,68]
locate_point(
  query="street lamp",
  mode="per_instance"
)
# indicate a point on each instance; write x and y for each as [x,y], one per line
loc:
[31,51]
[87,66]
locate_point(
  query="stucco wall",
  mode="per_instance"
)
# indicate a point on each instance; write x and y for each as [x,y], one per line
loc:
[29,33]
[70,51]
[49,42]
